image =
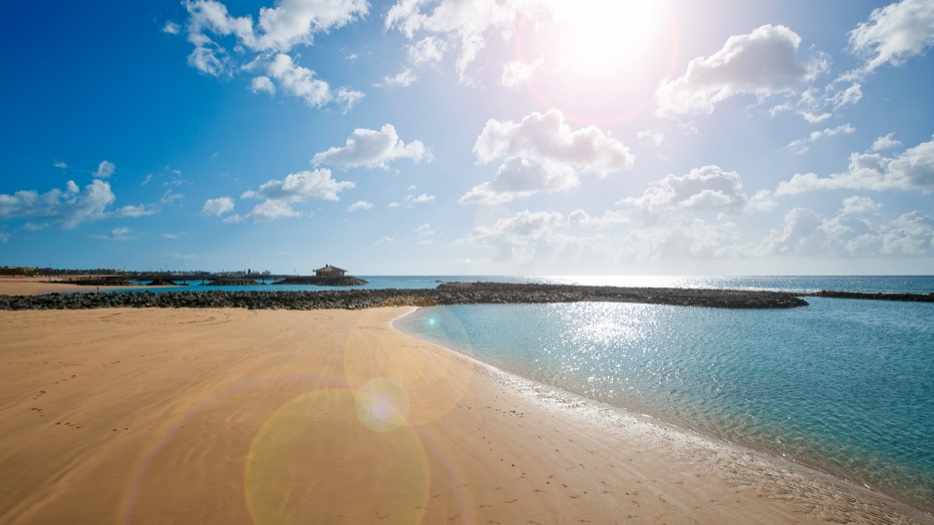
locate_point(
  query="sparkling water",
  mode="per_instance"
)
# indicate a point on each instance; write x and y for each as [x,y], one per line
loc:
[844,386]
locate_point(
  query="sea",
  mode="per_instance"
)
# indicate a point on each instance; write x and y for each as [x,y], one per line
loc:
[844,386]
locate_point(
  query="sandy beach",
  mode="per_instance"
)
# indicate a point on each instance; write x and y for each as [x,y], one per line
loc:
[273,417]
[41,285]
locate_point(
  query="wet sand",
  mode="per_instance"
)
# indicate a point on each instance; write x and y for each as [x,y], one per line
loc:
[332,416]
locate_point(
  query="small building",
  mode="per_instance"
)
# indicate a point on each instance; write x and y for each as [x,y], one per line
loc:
[330,271]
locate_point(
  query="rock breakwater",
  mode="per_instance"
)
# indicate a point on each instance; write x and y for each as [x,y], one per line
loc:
[447,293]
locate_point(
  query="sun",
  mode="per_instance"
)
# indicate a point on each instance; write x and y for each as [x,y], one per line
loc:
[601,38]
[606,55]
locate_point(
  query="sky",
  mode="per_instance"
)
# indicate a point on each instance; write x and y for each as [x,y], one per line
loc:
[486,137]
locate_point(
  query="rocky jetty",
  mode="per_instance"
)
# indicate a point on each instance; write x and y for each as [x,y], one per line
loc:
[447,293]
[230,281]
[347,280]
[878,296]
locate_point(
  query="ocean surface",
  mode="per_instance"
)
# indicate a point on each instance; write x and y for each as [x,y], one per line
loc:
[843,386]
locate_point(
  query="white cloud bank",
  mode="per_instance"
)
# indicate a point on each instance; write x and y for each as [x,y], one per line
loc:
[217,207]
[68,208]
[543,153]
[911,170]
[763,62]
[373,149]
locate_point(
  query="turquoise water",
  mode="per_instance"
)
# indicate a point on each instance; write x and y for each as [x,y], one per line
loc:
[845,386]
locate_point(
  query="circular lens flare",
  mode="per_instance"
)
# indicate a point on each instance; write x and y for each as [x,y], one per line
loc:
[382,404]
[314,461]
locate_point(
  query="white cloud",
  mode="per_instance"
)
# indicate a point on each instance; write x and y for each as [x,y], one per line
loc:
[303,186]
[61,165]
[519,177]
[894,33]
[217,207]
[384,240]
[516,72]
[582,218]
[4,237]
[424,231]
[68,208]
[403,79]
[170,236]
[801,145]
[912,170]
[134,212]
[466,21]
[762,62]
[360,205]
[278,30]
[886,142]
[549,136]
[427,50]
[105,169]
[423,198]
[542,153]
[706,189]
[271,210]
[806,233]
[171,28]
[373,149]
[857,204]
[120,234]
[262,84]
[300,82]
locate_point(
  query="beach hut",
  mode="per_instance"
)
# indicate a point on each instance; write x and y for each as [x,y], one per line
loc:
[330,271]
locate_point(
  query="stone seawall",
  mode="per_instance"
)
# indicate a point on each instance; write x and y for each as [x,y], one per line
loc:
[447,293]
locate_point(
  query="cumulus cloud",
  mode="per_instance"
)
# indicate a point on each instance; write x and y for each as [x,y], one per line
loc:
[911,170]
[404,78]
[609,218]
[516,72]
[276,32]
[373,149]
[411,200]
[548,136]
[519,177]
[708,189]
[360,205]
[105,169]
[763,62]
[427,50]
[894,33]
[61,165]
[171,28]
[263,84]
[857,204]
[886,142]
[801,145]
[542,153]
[279,196]
[217,207]
[68,208]
[468,23]
[300,82]
[804,232]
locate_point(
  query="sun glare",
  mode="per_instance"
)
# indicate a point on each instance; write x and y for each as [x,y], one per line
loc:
[599,37]
[593,51]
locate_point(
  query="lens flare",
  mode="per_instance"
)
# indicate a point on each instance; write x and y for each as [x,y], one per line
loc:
[382,404]
[314,461]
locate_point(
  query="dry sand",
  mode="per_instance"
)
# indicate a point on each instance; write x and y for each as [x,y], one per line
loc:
[280,417]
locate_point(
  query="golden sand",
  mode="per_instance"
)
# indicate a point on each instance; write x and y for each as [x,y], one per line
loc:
[278,417]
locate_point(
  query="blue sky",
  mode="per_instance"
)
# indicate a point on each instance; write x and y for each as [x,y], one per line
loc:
[469,136]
